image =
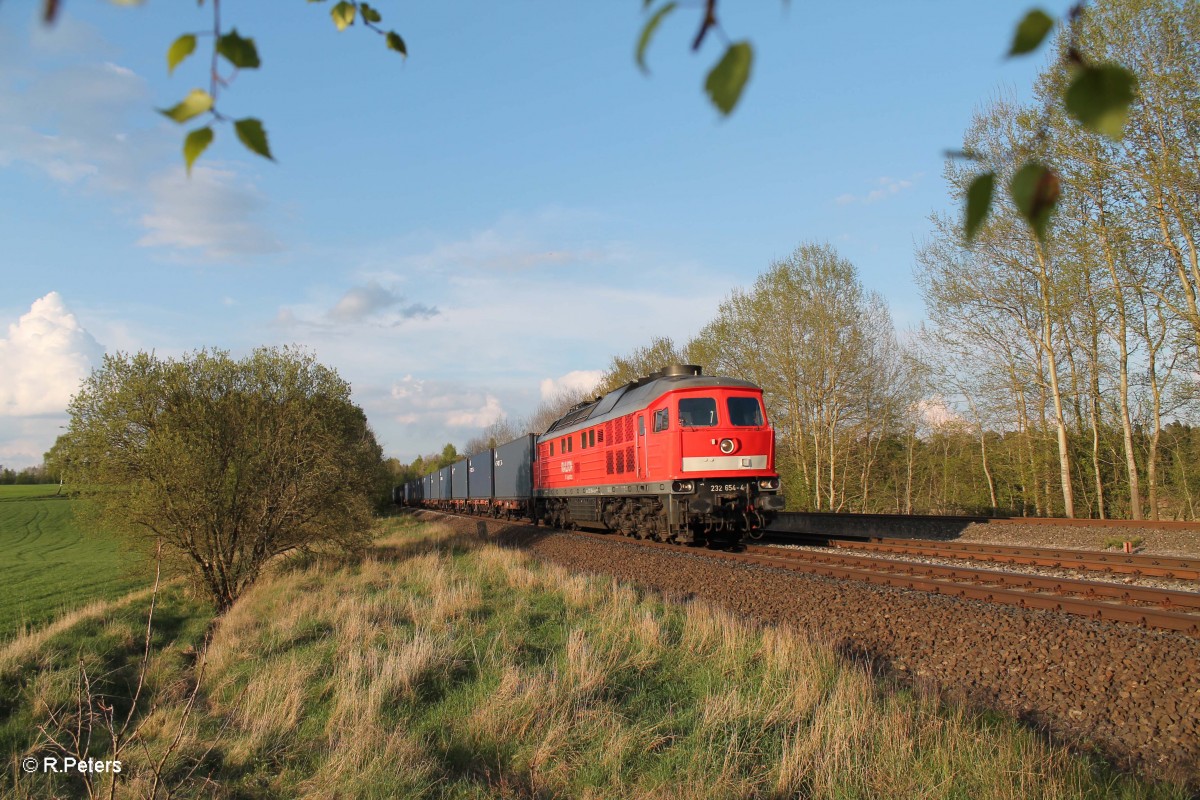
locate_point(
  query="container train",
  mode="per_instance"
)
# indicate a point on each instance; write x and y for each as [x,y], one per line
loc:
[676,456]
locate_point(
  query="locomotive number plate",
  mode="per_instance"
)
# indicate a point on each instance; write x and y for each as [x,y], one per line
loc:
[725,487]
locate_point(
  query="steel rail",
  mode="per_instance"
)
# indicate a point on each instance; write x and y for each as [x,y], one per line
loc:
[1165,598]
[968,519]
[1095,609]
[1093,560]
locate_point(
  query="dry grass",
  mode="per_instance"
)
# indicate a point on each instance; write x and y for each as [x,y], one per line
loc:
[22,647]
[445,667]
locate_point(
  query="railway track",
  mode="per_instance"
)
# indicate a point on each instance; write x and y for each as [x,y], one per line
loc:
[1164,609]
[789,520]
[1154,608]
[1134,564]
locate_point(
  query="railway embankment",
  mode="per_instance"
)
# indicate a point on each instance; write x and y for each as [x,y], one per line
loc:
[442,666]
[1128,693]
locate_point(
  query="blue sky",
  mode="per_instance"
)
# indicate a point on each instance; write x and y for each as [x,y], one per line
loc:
[461,231]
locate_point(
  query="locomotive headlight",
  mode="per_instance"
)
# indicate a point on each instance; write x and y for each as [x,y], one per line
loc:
[682,486]
[728,446]
[769,483]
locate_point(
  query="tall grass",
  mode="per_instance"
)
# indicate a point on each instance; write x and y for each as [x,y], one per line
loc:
[446,667]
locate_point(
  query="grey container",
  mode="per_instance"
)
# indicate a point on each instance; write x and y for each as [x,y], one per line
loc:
[482,473]
[426,488]
[514,468]
[443,484]
[459,476]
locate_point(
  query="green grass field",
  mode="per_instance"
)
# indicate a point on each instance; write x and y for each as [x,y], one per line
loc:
[48,565]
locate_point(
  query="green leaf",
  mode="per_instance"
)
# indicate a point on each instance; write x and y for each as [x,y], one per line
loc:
[251,133]
[394,42]
[180,49]
[196,103]
[1035,190]
[196,143]
[238,51]
[1099,98]
[1030,32]
[979,202]
[343,15]
[369,14]
[727,79]
[648,33]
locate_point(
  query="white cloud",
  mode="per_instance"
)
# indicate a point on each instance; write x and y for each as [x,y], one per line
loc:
[43,359]
[550,238]
[480,417]
[370,304]
[62,122]
[427,403]
[361,302]
[213,212]
[71,113]
[499,331]
[935,412]
[578,381]
[884,187]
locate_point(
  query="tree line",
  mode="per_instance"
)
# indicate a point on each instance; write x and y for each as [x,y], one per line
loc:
[26,476]
[1083,347]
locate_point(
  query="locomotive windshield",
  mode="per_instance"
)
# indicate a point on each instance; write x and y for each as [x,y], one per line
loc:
[745,411]
[697,412]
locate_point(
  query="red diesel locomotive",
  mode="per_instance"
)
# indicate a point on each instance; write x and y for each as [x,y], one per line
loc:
[675,456]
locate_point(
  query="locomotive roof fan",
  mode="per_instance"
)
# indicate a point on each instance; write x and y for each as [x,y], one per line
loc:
[681,370]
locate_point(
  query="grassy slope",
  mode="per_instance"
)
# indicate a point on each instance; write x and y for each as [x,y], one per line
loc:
[48,565]
[443,667]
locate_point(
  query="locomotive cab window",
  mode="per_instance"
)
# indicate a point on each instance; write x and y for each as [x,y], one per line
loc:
[697,412]
[591,438]
[662,418]
[745,411]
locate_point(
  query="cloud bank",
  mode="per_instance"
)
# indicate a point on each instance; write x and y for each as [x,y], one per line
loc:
[43,358]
